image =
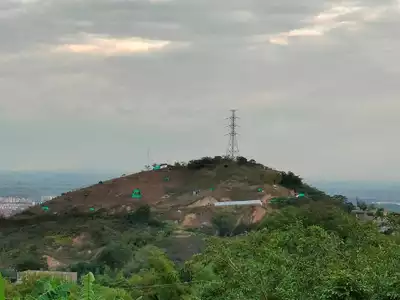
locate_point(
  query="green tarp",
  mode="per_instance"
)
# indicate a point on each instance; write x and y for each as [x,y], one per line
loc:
[136,194]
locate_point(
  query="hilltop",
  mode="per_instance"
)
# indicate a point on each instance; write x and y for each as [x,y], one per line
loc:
[176,190]
[80,230]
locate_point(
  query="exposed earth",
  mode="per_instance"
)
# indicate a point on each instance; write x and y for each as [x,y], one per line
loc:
[178,194]
[77,226]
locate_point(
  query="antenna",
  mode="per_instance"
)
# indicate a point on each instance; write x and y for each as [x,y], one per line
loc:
[233,148]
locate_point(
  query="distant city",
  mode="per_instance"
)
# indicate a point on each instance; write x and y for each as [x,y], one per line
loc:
[10,206]
[21,190]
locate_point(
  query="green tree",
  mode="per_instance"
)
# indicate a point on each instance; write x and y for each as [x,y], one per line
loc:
[141,215]
[224,222]
[30,262]
[379,213]
[362,205]
[290,180]
[158,279]
[115,255]
[241,160]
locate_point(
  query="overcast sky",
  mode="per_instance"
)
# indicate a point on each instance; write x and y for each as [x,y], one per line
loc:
[92,84]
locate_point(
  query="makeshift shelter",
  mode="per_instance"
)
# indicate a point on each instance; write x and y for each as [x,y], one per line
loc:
[136,194]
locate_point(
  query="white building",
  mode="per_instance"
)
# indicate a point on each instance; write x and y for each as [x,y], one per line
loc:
[239,203]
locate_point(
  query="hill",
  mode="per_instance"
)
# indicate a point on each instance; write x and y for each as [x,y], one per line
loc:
[178,190]
[308,247]
[102,225]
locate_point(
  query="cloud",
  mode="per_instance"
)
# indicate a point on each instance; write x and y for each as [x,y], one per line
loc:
[347,15]
[99,45]
[82,81]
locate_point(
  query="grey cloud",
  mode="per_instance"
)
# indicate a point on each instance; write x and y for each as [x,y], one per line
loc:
[313,106]
[203,20]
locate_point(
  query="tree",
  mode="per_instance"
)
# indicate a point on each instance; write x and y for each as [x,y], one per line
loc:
[290,180]
[141,215]
[241,160]
[158,278]
[83,268]
[115,255]
[344,284]
[344,202]
[30,262]
[379,213]
[292,258]
[362,205]
[224,222]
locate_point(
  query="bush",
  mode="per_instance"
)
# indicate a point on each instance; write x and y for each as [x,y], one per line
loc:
[198,164]
[224,222]
[208,162]
[241,160]
[141,215]
[179,165]
[30,262]
[362,205]
[290,180]
[83,268]
[115,255]
[9,274]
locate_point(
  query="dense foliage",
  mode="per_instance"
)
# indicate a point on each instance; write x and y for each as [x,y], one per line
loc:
[314,250]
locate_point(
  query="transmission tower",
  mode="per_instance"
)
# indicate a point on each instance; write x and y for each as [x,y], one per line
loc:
[233,148]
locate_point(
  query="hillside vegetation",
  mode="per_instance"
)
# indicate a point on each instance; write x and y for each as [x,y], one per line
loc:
[312,251]
[77,238]
[302,248]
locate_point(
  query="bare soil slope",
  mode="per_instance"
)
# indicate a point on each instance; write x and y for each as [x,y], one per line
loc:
[179,194]
[116,193]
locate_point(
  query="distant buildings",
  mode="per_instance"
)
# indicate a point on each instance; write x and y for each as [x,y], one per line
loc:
[46,198]
[372,216]
[10,206]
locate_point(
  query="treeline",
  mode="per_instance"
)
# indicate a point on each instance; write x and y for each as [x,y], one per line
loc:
[286,179]
[212,162]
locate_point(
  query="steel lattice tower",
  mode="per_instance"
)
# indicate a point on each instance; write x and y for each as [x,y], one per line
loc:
[233,148]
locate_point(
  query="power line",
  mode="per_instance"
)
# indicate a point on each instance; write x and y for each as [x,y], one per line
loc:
[233,148]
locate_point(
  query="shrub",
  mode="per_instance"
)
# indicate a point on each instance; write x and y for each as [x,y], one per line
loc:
[83,268]
[290,180]
[30,262]
[115,255]
[224,222]
[141,215]
[241,160]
